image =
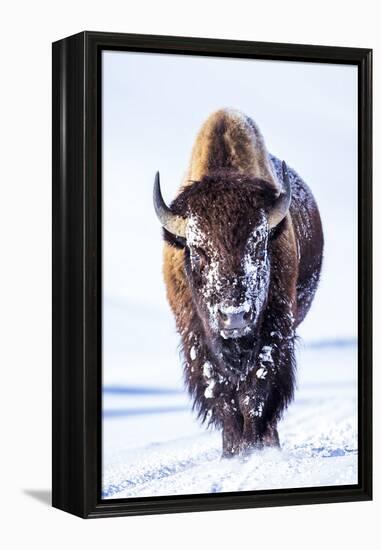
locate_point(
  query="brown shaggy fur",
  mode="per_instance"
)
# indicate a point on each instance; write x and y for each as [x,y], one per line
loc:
[229,141]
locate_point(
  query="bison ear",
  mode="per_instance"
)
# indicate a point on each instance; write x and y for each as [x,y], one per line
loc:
[282,203]
[171,222]
[174,240]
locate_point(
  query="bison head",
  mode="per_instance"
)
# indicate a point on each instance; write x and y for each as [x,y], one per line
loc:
[224,223]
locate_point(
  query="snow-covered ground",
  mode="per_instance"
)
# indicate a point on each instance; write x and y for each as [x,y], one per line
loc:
[153,445]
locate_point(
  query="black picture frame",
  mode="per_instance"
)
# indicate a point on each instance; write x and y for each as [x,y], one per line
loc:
[77,275]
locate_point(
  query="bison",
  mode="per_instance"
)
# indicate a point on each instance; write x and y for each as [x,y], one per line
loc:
[243,247]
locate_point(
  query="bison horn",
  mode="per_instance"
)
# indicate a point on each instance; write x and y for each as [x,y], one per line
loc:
[282,203]
[170,221]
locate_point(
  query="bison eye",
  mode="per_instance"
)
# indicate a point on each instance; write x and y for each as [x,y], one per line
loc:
[262,255]
[199,258]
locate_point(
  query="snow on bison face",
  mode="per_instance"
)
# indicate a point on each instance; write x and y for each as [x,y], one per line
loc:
[227,267]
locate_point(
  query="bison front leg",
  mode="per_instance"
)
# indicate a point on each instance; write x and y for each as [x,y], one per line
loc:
[254,427]
[270,436]
[266,393]
[232,434]
[258,432]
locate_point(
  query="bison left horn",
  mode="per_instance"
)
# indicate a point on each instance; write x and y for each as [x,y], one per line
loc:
[282,204]
[171,222]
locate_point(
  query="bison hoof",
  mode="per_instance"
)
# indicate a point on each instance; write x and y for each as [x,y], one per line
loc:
[227,454]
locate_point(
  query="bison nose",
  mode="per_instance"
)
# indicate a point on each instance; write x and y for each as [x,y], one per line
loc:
[234,319]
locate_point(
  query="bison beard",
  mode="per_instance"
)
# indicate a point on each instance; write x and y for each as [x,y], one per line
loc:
[228,261]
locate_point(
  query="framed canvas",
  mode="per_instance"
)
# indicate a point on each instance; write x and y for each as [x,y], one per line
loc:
[211,274]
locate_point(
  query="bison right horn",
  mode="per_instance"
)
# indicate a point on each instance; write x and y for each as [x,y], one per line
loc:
[171,222]
[282,204]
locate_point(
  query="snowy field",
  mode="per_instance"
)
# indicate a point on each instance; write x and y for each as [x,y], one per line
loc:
[153,445]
